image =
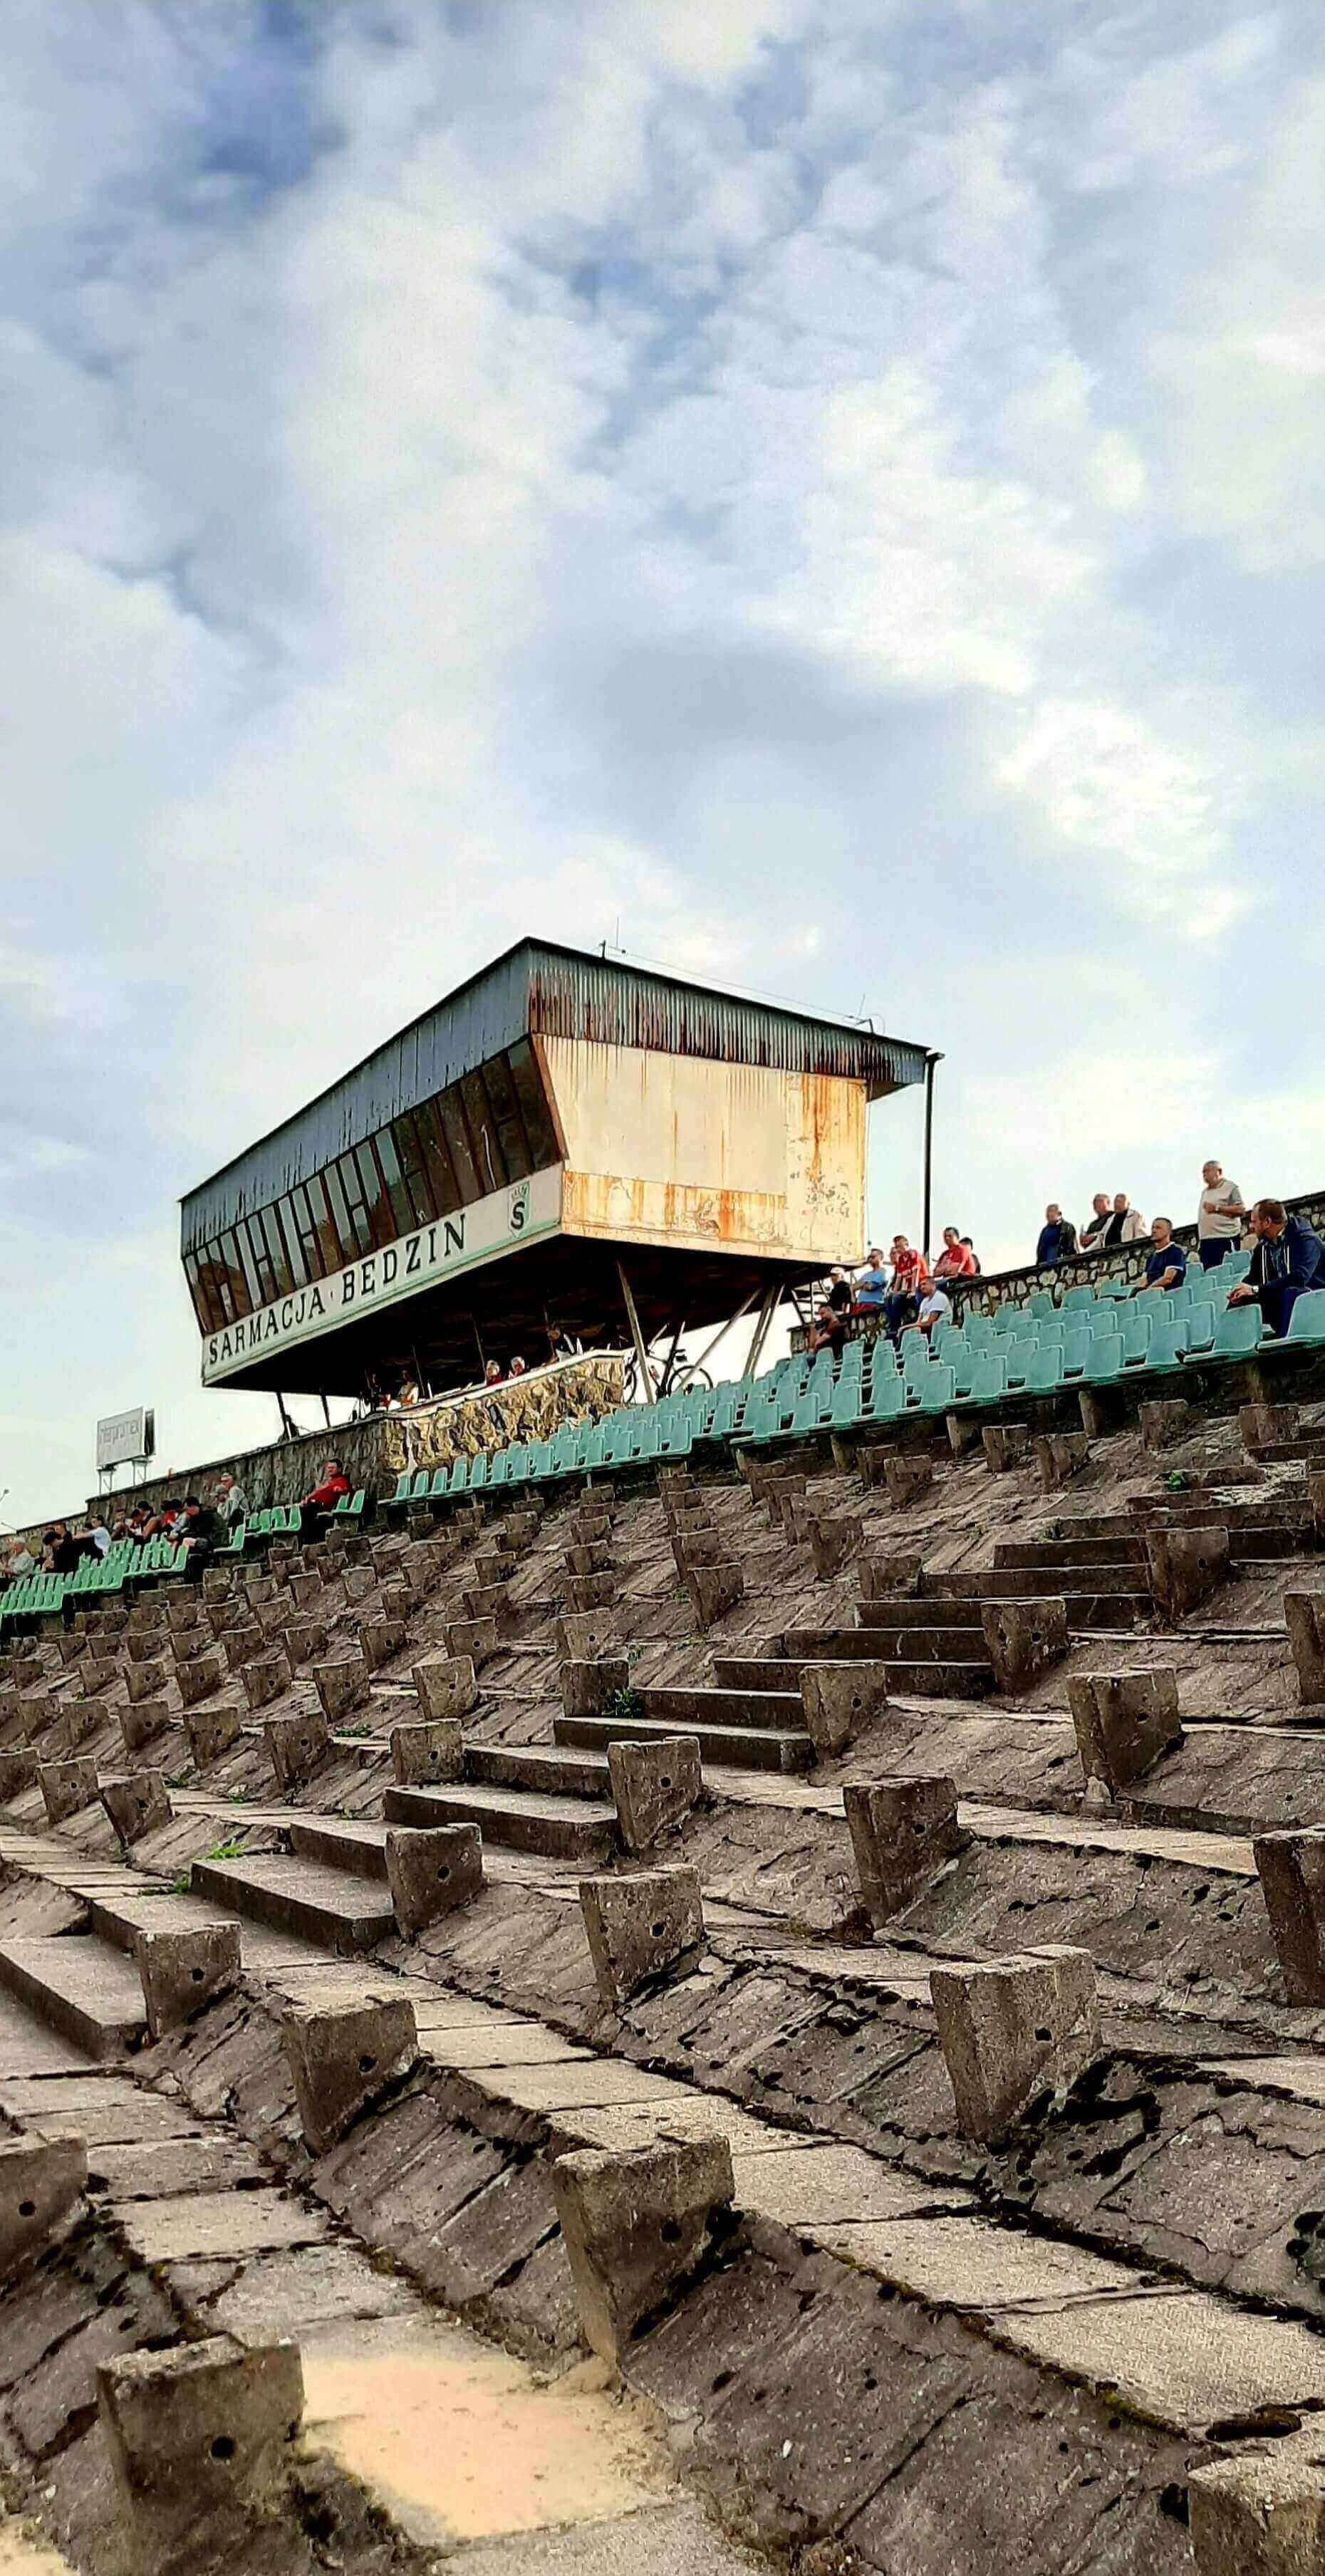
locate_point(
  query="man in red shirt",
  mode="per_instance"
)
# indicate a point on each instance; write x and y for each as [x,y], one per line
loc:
[326,1494]
[954,1261]
[909,1281]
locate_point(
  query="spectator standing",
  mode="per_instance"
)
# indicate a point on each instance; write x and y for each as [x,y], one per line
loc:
[871,1284]
[968,1246]
[1092,1232]
[1286,1259]
[1057,1239]
[1124,1224]
[1220,1215]
[100,1537]
[910,1279]
[493,1373]
[1167,1264]
[517,1366]
[934,1309]
[956,1260]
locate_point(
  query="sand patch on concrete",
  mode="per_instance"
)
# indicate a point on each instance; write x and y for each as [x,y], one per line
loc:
[460,2441]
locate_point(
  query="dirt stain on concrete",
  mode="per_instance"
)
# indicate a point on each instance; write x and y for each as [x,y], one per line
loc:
[460,2441]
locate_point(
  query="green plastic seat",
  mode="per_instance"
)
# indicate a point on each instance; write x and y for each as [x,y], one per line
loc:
[1168,1339]
[1306,1322]
[1201,1325]
[1106,1360]
[1076,1299]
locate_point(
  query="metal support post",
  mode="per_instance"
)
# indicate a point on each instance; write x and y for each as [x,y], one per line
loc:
[641,1354]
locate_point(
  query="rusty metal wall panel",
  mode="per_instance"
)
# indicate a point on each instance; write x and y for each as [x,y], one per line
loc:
[701,1157]
[538,987]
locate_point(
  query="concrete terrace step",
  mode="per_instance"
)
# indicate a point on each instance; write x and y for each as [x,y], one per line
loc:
[682,1711]
[1025,1583]
[358,1848]
[905,1609]
[329,1907]
[1120,1547]
[84,1988]
[544,1767]
[927,1677]
[574,1829]
[747,1748]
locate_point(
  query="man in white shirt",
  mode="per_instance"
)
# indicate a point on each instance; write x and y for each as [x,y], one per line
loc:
[1220,1215]
[935,1308]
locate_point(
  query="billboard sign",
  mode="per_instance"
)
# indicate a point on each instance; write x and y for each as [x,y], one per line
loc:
[126,1439]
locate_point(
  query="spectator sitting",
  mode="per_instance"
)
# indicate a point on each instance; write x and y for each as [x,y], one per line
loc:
[1092,1232]
[829,1333]
[410,1395]
[934,1309]
[1167,1265]
[22,1562]
[1124,1224]
[1057,1239]
[517,1368]
[493,1373]
[909,1281]
[956,1260]
[330,1490]
[61,1552]
[871,1285]
[231,1501]
[839,1293]
[968,1246]
[197,1529]
[1220,1215]
[1286,1259]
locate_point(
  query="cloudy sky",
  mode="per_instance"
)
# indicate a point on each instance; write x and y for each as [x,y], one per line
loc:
[829,494]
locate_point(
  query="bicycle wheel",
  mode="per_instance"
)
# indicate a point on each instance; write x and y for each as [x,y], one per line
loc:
[690,1380]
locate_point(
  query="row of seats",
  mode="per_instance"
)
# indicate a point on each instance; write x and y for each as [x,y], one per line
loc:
[36,1596]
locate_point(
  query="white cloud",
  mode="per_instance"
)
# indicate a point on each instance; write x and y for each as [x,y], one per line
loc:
[712,468]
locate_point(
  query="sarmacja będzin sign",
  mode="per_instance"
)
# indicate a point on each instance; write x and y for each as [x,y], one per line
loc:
[456,1243]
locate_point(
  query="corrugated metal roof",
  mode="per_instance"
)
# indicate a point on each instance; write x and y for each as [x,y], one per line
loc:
[537,986]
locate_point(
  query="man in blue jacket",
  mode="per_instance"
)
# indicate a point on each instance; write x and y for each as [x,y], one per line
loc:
[1287,1258]
[1058,1238]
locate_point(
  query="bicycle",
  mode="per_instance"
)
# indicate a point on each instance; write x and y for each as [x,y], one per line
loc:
[673,1375]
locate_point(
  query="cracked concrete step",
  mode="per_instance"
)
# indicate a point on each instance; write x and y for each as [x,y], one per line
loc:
[748,1748]
[328,1906]
[84,1988]
[924,1675]
[359,1848]
[687,1712]
[1021,1583]
[546,1767]
[119,1918]
[1116,1547]
[575,1829]
[917,1611]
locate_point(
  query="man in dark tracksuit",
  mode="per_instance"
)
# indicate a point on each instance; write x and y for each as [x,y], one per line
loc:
[1287,1258]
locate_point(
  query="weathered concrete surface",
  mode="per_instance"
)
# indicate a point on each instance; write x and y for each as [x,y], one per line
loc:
[635,2224]
[1125,1723]
[341,2059]
[641,1927]
[1012,2029]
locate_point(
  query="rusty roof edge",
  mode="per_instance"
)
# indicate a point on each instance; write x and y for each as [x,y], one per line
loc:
[864,1039]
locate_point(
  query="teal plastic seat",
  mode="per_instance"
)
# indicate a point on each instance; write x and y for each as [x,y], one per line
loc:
[1238,1332]
[1200,1325]
[1306,1322]
[979,1330]
[1044,1374]
[887,1397]
[1134,1333]
[1076,1347]
[478,1472]
[1041,1302]
[1168,1338]
[1076,1299]
[938,1389]
[989,1378]
[1106,1360]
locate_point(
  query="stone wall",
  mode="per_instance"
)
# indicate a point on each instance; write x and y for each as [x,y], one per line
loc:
[374,1452]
